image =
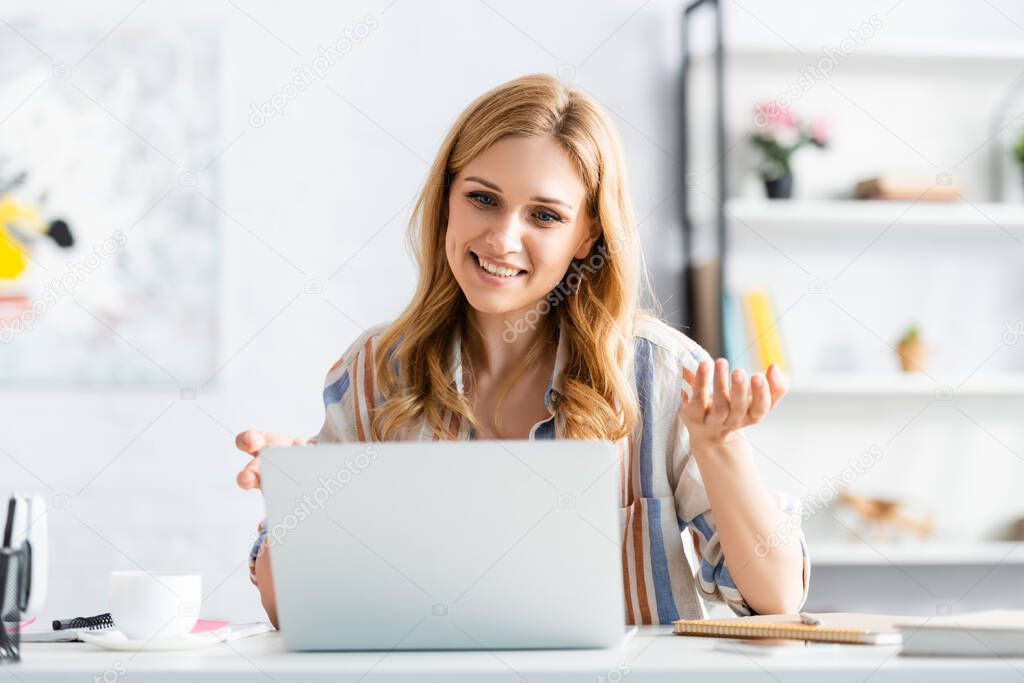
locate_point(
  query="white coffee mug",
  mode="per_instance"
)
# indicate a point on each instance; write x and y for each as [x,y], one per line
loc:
[149,605]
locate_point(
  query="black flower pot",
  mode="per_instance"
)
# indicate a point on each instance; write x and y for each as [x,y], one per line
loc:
[779,188]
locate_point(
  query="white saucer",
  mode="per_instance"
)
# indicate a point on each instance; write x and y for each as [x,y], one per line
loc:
[112,639]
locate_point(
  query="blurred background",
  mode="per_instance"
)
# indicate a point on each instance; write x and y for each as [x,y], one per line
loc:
[203,204]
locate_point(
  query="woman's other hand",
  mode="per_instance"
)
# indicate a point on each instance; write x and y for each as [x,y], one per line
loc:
[252,442]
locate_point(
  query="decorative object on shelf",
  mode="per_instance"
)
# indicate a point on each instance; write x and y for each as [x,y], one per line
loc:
[1006,130]
[912,350]
[910,187]
[778,134]
[1018,154]
[883,516]
[779,188]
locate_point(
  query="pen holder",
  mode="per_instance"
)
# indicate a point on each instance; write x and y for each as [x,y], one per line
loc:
[13,566]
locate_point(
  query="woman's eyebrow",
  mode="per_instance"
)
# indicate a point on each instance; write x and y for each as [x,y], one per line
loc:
[552,200]
[547,200]
[488,183]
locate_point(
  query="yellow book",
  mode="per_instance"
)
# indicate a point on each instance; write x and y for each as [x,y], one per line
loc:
[751,348]
[763,330]
[835,627]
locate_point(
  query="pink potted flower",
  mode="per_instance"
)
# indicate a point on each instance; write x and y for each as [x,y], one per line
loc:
[778,134]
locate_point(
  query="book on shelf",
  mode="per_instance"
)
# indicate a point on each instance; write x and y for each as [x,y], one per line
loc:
[735,341]
[909,187]
[753,340]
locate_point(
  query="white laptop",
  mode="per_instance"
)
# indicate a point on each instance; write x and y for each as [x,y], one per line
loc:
[445,545]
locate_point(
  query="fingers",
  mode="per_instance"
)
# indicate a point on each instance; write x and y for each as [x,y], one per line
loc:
[760,399]
[720,401]
[734,400]
[739,397]
[778,383]
[249,441]
[249,477]
[695,406]
[252,441]
[702,383]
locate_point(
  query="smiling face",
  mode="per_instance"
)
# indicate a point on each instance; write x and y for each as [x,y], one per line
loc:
[516,219]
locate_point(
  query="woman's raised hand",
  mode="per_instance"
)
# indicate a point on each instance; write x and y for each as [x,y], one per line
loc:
[252,442]
[724,402]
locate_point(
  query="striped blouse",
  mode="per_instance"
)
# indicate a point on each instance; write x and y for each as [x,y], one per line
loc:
[671,554]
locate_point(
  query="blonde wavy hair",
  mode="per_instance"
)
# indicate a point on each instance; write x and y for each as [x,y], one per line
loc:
[598,399]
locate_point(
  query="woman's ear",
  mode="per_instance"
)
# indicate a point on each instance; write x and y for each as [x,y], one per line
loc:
[594,231]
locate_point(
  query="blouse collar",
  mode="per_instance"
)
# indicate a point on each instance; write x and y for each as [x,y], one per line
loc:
[557,373]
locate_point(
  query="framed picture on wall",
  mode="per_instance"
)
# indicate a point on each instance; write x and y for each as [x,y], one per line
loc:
[109,239]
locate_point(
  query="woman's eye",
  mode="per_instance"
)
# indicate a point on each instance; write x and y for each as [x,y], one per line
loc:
[548,217]
[543,216]
[480,198]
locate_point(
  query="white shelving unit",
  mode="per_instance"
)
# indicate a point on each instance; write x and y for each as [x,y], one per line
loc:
[909,554]
[905,385]
[850,224]
[828,217]
[975,52]
[972,52]
[874,215]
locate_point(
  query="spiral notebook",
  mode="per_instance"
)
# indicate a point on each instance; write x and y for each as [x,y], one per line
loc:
[32,633]
[835,627]
[99,625]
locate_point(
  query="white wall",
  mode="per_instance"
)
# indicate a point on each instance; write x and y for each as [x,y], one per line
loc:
[327,186]
[324,186]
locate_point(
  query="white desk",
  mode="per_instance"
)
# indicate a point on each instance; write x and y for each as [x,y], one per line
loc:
[652,655]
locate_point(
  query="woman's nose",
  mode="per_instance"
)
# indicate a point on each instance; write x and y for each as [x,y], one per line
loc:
[504,235]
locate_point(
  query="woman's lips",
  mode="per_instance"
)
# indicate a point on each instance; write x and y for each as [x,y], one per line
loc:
[494,279]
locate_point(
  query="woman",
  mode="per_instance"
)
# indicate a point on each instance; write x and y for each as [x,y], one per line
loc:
[526,323]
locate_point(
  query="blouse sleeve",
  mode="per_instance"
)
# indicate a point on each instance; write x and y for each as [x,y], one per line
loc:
[713,578]
[348,385]
[337,384]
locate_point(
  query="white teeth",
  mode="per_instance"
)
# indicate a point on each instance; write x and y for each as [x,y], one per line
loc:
[496,270]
